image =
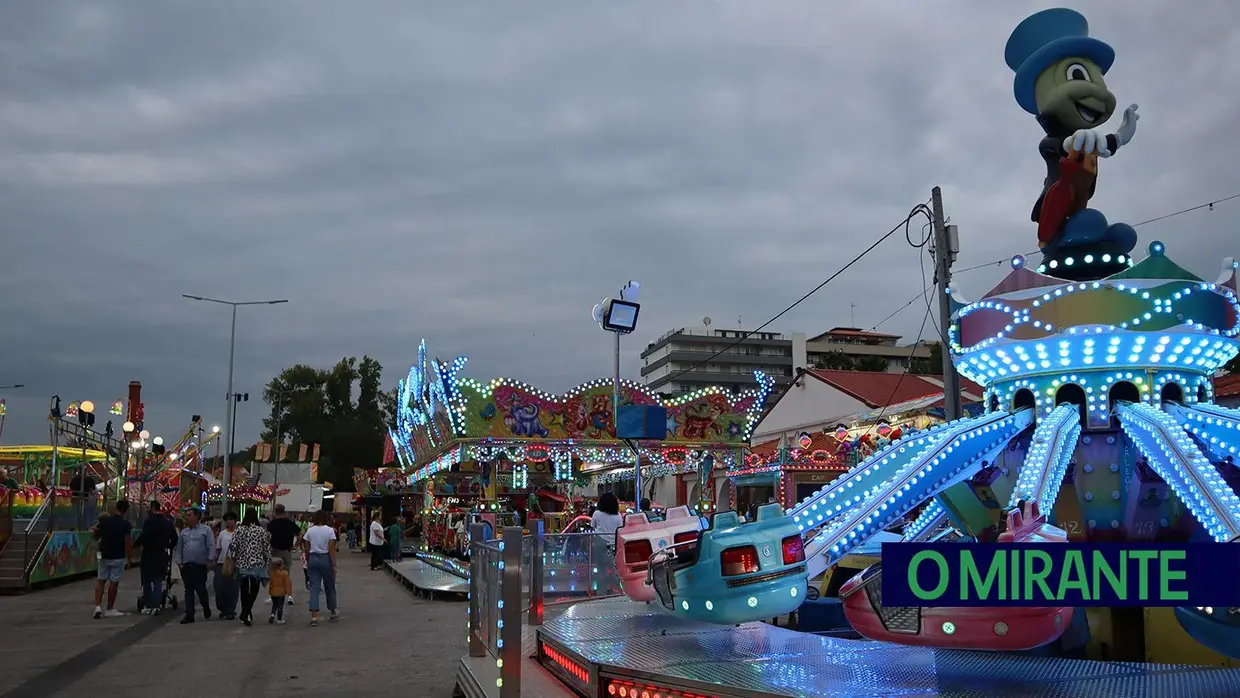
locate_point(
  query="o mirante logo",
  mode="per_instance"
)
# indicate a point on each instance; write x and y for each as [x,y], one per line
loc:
[1060,574]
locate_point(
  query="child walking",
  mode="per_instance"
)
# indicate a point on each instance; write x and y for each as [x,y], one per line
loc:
[280,587]
[305,566]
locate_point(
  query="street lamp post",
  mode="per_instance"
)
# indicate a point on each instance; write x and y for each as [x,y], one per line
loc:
[275,449]
[232,352]
[620,317]
[122,470]
[2,408]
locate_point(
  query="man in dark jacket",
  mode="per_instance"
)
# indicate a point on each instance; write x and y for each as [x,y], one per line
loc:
[156,540]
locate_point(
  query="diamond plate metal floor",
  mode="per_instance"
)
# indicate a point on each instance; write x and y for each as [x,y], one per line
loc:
[419,575]
[624,638]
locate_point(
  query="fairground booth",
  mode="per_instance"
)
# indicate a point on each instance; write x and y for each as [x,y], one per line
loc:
[492,446]
[827,422]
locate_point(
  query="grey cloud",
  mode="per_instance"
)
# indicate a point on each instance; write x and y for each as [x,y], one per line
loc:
[482,174]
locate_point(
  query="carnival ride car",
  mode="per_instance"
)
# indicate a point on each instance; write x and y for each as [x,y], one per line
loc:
[639,538]
[973,628]
[580,524]
[733,572]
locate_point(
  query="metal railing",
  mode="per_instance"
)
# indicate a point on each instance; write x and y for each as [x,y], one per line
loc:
[511,579]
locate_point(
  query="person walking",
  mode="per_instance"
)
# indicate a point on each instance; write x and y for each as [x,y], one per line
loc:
[156,541]
[279,588]
[284,533]
[319,542]
[194,552]
[114,541]
[226,588]
[395,539]
[251,554]
[378,541]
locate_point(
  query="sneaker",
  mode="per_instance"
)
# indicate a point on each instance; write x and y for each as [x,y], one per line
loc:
[335,616]
[113,613]
[154,611]
[280,622]
[145,611]
[271,619]
[98,612]
[186,621]
[267,601]
[289,600]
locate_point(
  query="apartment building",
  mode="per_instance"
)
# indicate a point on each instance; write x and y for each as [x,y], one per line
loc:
[687,359]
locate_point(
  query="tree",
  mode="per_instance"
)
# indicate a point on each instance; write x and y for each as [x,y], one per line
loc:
[316,406]
[931,366]
[839,361]
[876,364]
[834,361]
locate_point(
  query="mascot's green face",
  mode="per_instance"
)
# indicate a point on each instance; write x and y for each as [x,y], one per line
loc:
[1074,93]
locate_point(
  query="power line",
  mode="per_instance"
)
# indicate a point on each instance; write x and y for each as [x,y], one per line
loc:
[919,209]
[1208,205]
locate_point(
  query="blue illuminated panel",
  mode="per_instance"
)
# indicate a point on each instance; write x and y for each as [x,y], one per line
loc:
[926,522]
[922,478]
[1046,462]
[1217,426]
[845,491]
[1172,454]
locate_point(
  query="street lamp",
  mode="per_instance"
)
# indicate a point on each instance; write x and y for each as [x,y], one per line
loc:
[232,352]
[620,317]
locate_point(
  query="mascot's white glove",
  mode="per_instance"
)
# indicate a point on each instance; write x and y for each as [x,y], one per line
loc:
[1128,127]
[1087,141]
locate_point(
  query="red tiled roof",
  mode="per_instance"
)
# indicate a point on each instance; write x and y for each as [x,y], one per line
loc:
[879,389]
[819,440]
[1227,386]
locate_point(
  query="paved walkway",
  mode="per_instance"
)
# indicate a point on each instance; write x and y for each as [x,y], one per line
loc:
[385,641]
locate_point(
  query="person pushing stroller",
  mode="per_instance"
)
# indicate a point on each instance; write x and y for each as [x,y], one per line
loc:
[157,539]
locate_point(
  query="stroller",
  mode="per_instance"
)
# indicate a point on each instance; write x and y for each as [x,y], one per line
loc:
[170,598]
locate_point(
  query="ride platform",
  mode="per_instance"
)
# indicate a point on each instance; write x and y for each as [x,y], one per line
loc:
[598,647]
[425,578]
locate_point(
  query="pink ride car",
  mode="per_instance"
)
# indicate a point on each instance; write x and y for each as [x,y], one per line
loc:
[639,538]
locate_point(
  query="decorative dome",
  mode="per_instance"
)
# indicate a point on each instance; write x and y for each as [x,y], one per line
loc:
[1153,315]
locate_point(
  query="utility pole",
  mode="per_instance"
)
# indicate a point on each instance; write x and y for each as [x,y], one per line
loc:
[946,247]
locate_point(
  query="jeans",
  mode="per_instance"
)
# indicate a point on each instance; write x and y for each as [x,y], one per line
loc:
[277,607]
[226,592]
[152,590]
[322,576]
[249,592]
[195,578]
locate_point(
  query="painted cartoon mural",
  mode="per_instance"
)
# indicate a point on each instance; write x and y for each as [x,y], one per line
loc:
[509,409]
[438,408]
[380,481]
[1059,78]
[68,553]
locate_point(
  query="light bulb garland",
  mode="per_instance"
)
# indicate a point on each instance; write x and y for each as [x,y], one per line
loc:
[1172,455]
[1047,458]
[1217,427]
[885,502]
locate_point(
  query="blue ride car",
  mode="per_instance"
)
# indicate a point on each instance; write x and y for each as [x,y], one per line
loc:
[733,572]
[1216,628]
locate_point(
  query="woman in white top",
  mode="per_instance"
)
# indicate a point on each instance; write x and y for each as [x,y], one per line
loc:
[319,542]
[378,541]
[606,518]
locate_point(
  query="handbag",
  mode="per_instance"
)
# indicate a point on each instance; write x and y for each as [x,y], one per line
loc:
[230,566]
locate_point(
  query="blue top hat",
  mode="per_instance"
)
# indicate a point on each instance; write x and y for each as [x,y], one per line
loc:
[1045,38]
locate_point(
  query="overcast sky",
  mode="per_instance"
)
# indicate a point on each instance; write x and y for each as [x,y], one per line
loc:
[480,174]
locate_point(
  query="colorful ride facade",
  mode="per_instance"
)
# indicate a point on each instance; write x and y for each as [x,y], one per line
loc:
[450,426]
